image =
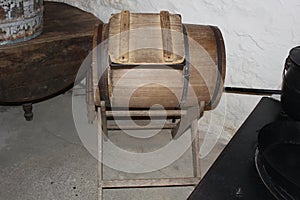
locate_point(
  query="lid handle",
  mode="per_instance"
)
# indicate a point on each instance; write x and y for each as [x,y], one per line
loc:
[166,36]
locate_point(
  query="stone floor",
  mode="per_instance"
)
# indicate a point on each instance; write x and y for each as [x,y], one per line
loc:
[45,158]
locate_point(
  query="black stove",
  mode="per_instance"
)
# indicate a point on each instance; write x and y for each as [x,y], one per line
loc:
[234,174]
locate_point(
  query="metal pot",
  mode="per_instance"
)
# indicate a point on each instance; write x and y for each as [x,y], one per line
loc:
[20,20]
[290,97]
[277,159]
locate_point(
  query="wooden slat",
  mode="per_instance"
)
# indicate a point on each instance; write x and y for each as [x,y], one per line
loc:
[142,124]
[166,36]
[124,36]
[90,97]
[158,90]
[139,183]
[196,148]
[95,64]
[145,102]
[100,155]
[140,113]
[186,121]
[104,119]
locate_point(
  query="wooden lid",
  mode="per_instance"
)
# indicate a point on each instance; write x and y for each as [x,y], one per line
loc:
[146,38]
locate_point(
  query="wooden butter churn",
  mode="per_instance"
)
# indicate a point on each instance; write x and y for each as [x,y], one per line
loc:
[144,59]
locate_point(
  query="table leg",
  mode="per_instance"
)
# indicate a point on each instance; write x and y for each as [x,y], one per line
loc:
[28,111]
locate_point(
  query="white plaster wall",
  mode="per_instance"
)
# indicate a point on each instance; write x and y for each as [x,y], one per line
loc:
[258,36]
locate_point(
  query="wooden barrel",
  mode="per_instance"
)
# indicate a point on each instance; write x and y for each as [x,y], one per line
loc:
[20,20]
[145,84]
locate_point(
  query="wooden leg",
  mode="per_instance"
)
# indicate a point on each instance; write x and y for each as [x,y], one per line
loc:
[138,183]
[196,148]
[104,120]
[90,97]
[28,111]
[185,122]
[100,157]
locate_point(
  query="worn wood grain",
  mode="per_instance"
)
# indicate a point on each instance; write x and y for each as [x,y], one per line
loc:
[145,85]
[165,182]
[47,65]
[166,36]
[139,113]
[124,36]
[146,38]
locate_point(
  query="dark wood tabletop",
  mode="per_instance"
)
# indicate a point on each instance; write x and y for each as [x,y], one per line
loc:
[47,65]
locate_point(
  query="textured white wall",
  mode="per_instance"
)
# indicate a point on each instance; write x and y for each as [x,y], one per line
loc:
[258,36]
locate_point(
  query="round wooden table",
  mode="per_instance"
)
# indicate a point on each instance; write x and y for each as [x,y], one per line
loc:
[46,66]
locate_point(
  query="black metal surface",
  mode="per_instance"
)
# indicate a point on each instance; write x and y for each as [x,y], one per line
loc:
[278,160]
[233,175]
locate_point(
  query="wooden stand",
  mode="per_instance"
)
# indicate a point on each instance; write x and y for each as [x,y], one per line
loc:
[188,120]
[103,129]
